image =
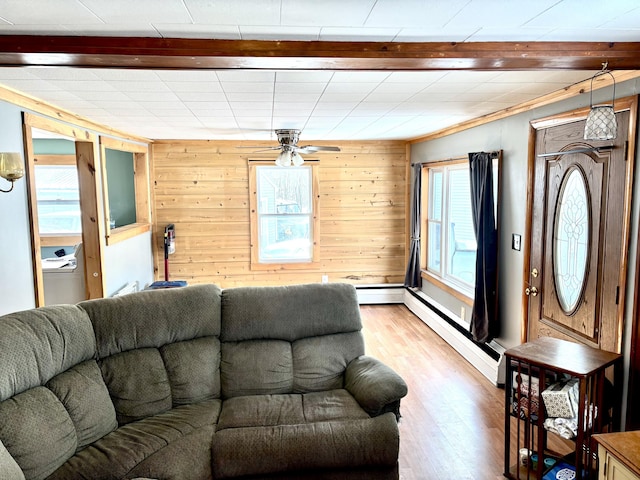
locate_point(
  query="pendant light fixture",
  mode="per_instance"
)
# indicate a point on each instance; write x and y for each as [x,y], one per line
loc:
[601,122]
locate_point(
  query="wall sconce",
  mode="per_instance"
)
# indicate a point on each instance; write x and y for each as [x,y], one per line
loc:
[11,168]
[601,122]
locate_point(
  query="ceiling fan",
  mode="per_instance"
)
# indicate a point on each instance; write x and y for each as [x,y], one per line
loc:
[290,151]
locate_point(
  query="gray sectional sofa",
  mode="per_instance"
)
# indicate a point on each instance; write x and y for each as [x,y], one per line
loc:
[197,383]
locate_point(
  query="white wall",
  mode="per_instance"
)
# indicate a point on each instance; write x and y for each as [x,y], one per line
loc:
[16,273]
[128,261]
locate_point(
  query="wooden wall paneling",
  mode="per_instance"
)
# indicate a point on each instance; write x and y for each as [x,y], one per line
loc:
[203,188]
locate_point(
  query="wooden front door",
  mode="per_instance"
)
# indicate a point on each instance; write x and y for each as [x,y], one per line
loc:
[579,231]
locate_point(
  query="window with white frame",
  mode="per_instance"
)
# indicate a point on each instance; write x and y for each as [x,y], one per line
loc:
[283,215]
[451,243]
[58,198]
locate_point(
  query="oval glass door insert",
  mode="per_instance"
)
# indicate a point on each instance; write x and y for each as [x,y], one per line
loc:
[571,239]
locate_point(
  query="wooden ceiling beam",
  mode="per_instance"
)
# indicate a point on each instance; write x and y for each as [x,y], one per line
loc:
[175,53]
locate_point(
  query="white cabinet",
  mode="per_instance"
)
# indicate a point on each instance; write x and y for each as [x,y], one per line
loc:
[618,456]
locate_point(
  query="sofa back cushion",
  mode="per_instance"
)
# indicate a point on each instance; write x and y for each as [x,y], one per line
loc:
[292,339]
[193,369]
[53,400]
[38,344]
[154,318]
[290,312]
[255,367]
[84,395]
[158,349]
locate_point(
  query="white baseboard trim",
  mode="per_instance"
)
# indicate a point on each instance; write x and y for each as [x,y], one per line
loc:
[483,362]
[380,294]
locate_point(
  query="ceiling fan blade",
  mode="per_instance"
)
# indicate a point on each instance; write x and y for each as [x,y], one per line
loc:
[261,148]
[317,148]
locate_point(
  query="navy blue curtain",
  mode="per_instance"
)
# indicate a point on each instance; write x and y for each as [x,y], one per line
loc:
[412,278]
[484,315]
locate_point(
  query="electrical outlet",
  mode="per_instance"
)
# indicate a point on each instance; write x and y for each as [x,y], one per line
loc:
[325,278]
[463,311]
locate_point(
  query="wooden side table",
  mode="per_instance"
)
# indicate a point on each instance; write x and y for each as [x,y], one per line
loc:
[539,363]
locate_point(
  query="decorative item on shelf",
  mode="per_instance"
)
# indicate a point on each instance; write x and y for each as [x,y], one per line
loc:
[601,122]
[561,398]
[526,401]
[11,168]
[561,471]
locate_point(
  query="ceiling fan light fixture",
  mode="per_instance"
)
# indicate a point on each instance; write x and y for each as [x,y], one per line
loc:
[284,158]
[289,149]
[297,159]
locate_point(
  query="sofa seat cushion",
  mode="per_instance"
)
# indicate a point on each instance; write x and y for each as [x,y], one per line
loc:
[117,454]
[291,409]
[265,434]
[261,411]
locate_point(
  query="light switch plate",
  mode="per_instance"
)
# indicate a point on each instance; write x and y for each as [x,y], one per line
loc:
[516,241]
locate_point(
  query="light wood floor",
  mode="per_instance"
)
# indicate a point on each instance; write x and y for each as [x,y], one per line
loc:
[452,424]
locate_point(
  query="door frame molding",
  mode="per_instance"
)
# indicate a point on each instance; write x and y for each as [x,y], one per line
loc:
[627,103]
[94,278]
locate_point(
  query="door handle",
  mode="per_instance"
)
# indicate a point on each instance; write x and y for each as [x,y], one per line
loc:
[533,291]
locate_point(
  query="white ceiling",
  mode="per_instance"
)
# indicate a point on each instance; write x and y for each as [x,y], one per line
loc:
[242,104]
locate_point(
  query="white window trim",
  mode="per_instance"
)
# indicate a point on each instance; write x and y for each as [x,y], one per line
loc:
[57,238]
[456,287]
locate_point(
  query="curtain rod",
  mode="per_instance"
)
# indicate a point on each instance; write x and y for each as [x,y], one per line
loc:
[494,154]
[579,150]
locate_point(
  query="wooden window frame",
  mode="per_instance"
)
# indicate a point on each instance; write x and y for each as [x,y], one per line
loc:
[314,264]
[142,190]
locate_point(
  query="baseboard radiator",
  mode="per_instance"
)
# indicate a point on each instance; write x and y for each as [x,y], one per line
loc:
[488,359]
[130,287]
[380,294]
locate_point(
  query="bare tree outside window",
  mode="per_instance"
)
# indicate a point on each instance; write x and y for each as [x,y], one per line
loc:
[284,214]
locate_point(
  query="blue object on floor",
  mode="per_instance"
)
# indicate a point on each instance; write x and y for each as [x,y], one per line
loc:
[167,284]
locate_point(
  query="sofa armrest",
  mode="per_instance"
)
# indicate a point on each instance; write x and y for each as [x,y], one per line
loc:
[8,466]
[376,387]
